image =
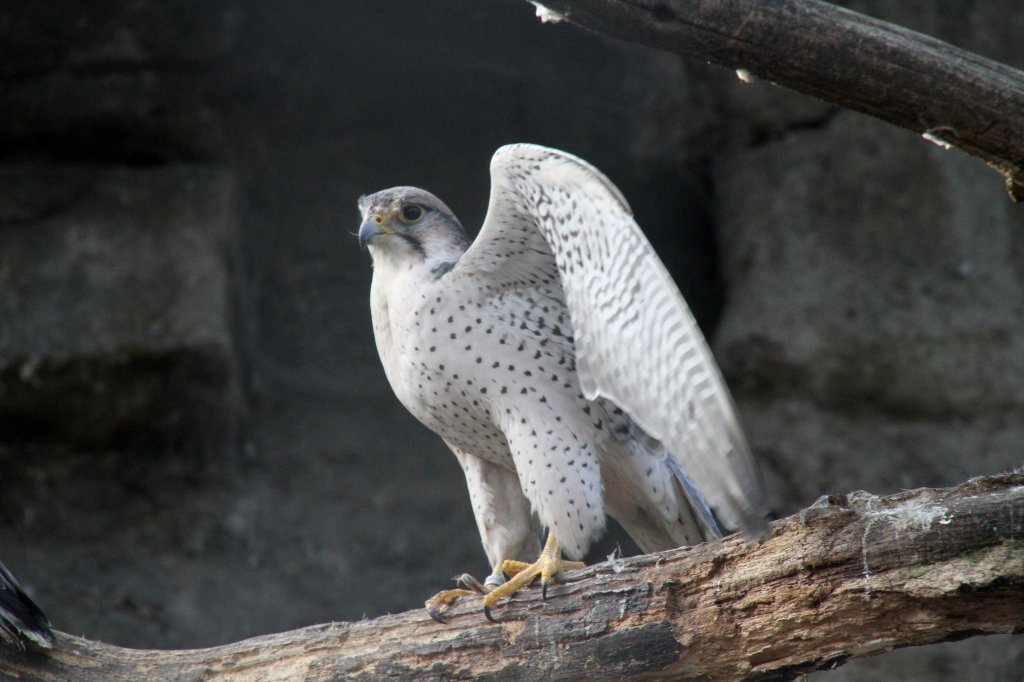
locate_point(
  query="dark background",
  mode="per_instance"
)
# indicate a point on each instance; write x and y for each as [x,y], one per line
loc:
[197,443]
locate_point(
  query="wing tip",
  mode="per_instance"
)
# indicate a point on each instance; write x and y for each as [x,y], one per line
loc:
[536,154]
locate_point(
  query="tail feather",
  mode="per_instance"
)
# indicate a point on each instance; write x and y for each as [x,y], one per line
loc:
[696,499]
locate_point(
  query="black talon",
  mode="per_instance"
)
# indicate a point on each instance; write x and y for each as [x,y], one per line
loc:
[432,612]
[544,590]
[487,614]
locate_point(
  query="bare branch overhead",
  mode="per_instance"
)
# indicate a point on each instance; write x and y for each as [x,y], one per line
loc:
[948,95]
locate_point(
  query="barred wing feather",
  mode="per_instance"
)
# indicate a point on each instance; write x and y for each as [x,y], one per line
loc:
[554,221]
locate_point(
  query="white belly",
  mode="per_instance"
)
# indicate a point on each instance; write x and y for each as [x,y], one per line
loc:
[435,365]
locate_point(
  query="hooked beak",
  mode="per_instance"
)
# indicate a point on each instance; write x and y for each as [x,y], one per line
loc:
[372,228]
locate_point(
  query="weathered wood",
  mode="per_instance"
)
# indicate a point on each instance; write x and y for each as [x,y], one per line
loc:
[948,95]
[850,577]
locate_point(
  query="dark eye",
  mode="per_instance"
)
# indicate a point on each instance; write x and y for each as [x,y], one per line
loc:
[411,213]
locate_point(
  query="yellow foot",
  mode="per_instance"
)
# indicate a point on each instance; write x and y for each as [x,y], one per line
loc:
[549,564]
[511,567]
[440,602]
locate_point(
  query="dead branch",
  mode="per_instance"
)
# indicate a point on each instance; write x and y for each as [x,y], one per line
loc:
[849,577]
[950,96]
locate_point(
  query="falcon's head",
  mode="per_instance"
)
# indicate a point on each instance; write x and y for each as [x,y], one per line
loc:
[405,223]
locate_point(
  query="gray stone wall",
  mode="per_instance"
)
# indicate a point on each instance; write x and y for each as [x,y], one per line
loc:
[874,323]
[197,443]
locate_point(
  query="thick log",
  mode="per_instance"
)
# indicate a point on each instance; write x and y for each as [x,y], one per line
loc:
[849,577]
[950,96]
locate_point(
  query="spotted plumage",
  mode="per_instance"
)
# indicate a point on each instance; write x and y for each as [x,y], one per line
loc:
[556,358]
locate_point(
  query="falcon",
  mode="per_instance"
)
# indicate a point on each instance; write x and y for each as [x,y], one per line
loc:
[556,358]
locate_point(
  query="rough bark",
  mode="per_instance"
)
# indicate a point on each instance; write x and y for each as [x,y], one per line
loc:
[950,96]
[849,577]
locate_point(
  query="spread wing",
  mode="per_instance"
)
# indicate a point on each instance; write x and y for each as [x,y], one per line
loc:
[555,221]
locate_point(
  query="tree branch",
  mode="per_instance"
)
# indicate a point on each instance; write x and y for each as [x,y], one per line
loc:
[849,577]
[950,96]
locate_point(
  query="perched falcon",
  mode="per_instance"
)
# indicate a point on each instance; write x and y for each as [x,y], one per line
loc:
[557,359]
[20,619]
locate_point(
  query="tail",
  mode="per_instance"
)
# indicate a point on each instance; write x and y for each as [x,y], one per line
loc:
[697,500]
[20,619]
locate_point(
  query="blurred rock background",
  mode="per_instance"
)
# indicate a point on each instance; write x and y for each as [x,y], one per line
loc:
[197,443]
